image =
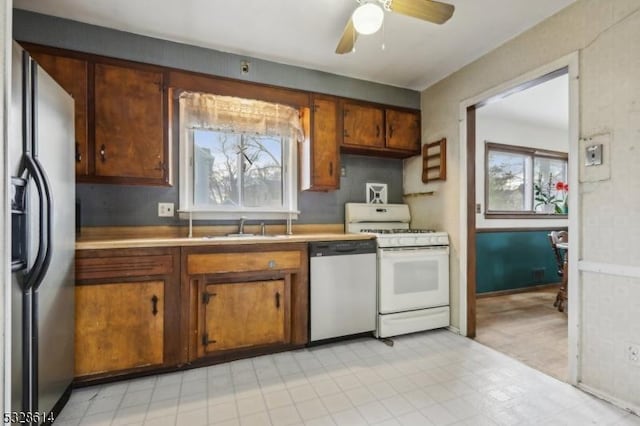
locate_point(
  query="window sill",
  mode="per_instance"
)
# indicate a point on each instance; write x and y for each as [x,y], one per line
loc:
[525,216]
[236,214]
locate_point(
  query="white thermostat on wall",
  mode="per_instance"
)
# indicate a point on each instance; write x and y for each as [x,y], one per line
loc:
[376,193]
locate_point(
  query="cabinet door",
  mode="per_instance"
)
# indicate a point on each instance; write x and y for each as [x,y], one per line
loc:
[129,138]
[119,326]
[242,315]
[72,75]
[363,126]
[403,130]
[324,144]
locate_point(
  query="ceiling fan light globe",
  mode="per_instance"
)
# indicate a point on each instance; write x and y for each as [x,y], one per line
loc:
[367,18]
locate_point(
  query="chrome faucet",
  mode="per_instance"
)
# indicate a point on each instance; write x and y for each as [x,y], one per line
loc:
[241,225]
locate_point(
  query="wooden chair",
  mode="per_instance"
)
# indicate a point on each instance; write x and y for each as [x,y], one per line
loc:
[556,237]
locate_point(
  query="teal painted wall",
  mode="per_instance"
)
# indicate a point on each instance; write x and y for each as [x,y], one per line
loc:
[512,260]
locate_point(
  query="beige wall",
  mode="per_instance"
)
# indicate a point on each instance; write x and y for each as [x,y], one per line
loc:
[607,35]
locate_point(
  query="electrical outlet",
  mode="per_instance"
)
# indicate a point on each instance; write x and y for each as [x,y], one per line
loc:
[165,209]
[343,171]
[633,354]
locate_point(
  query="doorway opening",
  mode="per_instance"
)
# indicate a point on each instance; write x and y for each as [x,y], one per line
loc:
[518,170]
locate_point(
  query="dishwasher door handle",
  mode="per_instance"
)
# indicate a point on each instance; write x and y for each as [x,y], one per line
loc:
[346,250]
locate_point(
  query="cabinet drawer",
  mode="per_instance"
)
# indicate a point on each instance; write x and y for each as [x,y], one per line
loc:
[125,266]
[212,263]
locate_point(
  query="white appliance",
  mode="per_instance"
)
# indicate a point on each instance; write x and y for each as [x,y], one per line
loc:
[343,288]
[41,164]
[413,268]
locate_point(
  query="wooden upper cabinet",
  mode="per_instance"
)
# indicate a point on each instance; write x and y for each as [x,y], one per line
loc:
[403,130]
[72,74]
[243,315]
[363,125]
[119,326]
[129,123]
[324,148]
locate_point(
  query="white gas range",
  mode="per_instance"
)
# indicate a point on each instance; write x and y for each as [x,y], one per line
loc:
[413,268]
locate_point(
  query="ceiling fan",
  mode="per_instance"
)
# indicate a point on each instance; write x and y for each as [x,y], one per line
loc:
[368,17]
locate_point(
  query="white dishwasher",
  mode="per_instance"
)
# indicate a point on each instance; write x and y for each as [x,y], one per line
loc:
[343,288]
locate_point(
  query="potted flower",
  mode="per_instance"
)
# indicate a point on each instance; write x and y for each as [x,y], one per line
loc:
[562,207]
[546,195]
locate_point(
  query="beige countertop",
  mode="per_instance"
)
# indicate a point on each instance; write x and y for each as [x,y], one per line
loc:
[160,241]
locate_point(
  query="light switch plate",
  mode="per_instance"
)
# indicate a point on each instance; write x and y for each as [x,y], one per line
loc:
[593,155]
[601,172]
[165,210]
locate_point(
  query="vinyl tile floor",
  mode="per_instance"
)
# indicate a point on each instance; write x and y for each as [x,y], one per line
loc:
[526,327]
[430,378]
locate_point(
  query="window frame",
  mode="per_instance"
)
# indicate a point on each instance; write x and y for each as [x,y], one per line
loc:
[523,150]
[187,209]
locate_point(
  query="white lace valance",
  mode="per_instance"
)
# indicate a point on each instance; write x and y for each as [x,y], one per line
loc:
[230,114]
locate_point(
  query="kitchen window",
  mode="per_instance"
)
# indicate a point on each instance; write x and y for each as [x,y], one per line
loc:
[515,175]
[237,156]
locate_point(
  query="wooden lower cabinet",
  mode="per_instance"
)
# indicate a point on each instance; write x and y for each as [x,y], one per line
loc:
[142,310]
[245,299]
[119,326]
[243,314]
[127,311]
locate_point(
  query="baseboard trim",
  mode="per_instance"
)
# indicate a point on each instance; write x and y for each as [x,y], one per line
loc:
[516,290]
[453,329]
[625,405]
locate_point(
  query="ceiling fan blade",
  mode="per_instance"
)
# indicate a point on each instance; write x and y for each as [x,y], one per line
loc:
[427,10]
[348,39]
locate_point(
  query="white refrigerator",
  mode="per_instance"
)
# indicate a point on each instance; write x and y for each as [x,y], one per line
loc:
[41,164]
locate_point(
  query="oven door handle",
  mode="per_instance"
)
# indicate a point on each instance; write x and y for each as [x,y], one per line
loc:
[413,251]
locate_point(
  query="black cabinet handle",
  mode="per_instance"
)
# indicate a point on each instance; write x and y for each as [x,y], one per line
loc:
[205,340]
[278,300]
[345,133]
[390,131]
[330,168]
[377,130]
[103,153]
[78,153]
[154,305]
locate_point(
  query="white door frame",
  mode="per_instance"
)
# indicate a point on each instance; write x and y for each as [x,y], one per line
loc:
[5,217]
[570,61]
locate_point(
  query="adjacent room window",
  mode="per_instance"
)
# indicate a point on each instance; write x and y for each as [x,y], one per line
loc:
[237,156]
[521,180]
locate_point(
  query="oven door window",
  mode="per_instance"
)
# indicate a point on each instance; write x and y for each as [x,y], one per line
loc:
[413,279]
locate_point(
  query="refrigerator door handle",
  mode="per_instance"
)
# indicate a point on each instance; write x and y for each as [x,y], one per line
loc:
[34,273]
[46,207]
